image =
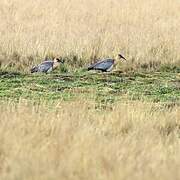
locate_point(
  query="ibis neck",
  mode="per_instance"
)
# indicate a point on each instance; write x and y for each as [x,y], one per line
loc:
[55,65]
[115,61]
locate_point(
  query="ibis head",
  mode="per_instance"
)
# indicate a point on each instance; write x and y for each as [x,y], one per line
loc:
[58,60]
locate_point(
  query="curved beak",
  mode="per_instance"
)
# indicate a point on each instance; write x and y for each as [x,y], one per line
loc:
[121,57]
[60,60]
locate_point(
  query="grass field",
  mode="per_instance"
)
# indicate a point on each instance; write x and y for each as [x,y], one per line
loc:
[72,140]
[74,124]
[105,88]
[146,32]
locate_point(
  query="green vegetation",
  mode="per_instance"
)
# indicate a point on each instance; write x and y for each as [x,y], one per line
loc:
[104,88]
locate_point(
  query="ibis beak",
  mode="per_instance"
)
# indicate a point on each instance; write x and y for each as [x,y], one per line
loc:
[121,57]
[62,61]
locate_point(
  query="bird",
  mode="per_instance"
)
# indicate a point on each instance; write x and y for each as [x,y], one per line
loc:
[47,66]
[105,65]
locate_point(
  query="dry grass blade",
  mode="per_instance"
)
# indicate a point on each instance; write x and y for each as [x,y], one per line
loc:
[133,141]
[146,32]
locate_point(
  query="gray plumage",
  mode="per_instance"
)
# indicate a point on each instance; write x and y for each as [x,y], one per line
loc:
[104,65]
[47,66]
[44,67]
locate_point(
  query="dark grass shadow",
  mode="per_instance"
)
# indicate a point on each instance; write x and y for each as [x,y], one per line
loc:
[98,77]
[10,74]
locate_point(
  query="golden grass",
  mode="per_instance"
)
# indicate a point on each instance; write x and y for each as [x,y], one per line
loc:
[133,141]
[143,31]
[72,140]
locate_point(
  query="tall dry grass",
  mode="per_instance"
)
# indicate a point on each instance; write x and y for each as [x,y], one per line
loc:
[133,141]
[146,32]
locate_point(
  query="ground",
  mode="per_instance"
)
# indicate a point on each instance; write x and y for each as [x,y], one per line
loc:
[104,88]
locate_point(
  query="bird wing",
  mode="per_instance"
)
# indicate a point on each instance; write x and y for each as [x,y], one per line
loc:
[103,64]
[45,66]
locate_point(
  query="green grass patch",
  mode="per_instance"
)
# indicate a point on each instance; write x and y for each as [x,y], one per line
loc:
[104,88]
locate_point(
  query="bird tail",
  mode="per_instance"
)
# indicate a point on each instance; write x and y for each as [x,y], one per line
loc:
[34,69]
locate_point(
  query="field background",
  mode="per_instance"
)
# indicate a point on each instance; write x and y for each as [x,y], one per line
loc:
[145,32]
[74,124]
[73,140]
